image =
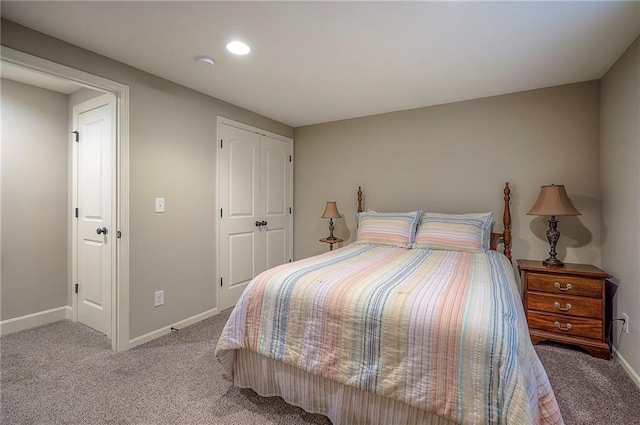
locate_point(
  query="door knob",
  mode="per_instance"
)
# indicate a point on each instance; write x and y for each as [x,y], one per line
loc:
[101,231]
[258,224]
[263,223]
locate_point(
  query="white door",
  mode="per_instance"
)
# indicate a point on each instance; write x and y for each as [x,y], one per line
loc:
[255,219]
[240,253]
[95,125]
[274,200]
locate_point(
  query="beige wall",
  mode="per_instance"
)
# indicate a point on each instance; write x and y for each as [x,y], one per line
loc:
[455,158]
[34,200]
[172,155]
[620,168]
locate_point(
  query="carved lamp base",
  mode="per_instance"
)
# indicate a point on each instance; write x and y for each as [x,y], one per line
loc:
[552,236]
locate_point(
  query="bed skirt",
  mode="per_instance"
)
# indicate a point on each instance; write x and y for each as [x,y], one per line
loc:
[342,404]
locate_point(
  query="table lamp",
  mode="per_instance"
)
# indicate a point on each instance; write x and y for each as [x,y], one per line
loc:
[331,212]
[552,201]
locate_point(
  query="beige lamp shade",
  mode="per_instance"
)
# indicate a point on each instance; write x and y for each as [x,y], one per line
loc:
[331,211]
[553,200]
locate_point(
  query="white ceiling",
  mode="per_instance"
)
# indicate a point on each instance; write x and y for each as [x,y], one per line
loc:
[314,62]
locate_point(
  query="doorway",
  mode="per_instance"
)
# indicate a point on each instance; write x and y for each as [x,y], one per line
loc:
[110,248]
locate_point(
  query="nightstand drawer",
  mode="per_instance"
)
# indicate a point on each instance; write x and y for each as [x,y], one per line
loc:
[569,285]
[572,306]
[586,328]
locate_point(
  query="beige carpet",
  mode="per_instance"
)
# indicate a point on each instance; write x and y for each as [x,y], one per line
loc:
[65,373]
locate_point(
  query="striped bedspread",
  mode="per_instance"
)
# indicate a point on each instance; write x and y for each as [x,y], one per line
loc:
[443,331]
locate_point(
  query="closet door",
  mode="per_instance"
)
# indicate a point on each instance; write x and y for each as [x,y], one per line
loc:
[241,242]
[274,199]
[255,199]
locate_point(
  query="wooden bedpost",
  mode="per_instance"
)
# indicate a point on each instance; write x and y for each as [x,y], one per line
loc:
[505,236]
[506,221]
[360,209]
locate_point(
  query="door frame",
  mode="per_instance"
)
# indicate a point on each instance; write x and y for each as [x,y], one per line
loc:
[120,196]
[247,127]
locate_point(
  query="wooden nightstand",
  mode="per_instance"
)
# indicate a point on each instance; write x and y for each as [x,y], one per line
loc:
[331,242]
[566,304]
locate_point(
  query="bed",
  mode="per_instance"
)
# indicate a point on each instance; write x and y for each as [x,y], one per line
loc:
[419,321]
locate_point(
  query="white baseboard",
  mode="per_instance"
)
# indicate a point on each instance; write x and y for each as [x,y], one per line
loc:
[32,320]
[167,329]
[627,367]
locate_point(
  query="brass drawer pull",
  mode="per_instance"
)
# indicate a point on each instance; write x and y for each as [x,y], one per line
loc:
[561,328]
[566,308]
[565,289]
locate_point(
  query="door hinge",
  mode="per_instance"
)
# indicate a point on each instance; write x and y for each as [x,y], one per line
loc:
[220,143]
[290,158]
[220,212]
[289,210]
[221,282]
[118,234]
[289,259]
[76,213]
[77,135]
[76,288]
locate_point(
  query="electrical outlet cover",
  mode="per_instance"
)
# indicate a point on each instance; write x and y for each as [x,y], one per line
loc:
[625,324]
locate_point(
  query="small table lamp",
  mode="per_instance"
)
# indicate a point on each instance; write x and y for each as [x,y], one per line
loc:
[552,201]
[331,212]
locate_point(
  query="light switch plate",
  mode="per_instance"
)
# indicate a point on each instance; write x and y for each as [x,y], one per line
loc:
[158,298]
[159,205]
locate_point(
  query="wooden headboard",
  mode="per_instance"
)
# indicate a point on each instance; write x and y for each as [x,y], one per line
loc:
[496,238]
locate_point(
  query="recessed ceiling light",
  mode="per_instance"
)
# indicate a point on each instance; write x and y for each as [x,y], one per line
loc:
[205,61]
[238,48]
